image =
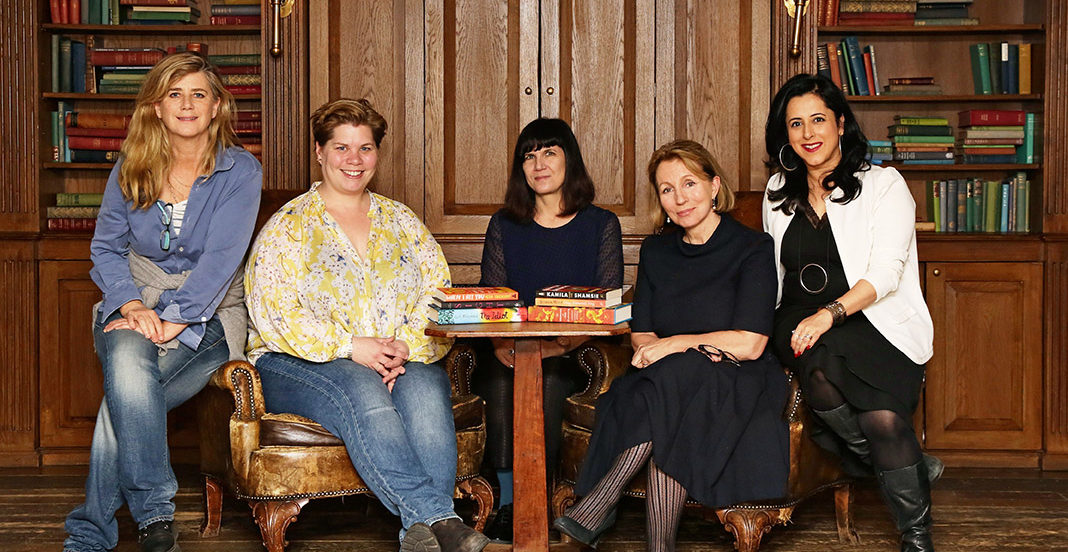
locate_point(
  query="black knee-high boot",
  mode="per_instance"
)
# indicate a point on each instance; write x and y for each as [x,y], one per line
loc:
[843,422]
[907,493]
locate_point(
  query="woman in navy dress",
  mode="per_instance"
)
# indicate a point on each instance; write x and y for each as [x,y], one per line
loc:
[703,409]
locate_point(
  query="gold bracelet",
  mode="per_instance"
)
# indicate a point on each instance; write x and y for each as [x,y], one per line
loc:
[838,312]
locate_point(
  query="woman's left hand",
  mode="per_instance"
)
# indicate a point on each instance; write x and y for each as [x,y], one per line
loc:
[809,330]
[653,351]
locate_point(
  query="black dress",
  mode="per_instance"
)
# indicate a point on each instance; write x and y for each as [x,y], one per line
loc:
[867,369]
[717,428]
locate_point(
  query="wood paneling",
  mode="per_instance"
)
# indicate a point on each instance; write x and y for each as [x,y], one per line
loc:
[984,384]
[1055,148]
[783,65]
[18,378]
[1056,318]
[286,150]
[19,118]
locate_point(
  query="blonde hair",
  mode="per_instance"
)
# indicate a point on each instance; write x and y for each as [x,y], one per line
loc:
[146,151]
[697,160]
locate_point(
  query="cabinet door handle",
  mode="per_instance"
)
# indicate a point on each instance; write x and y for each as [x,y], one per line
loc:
[936,272]
[550,91]
[528,91]
[798,7]
[279,9]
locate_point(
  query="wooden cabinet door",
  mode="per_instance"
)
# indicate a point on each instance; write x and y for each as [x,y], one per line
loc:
[984,384]
[70,379]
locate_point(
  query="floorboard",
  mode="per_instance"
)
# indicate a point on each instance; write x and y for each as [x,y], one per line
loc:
[975,511]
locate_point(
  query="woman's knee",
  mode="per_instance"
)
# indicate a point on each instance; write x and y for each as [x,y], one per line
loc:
[884,426]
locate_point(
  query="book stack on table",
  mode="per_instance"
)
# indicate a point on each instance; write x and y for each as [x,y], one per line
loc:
[476,305]
[579,305]
[920,140]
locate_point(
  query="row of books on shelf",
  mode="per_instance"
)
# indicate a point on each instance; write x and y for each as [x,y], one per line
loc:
[80,67]
[895,12]
[977,205]
[1003,67]
[90,137]
[856,71]
[152,12]
[985,136]
[559,303]
[74,212]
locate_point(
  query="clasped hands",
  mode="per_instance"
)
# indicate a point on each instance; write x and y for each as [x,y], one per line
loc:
[143,320]
[385,355]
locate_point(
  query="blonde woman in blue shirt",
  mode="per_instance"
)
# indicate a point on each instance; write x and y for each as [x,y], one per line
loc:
[339,283]
[177,216]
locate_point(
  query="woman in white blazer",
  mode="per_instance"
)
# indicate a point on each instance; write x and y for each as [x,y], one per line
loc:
[851,318]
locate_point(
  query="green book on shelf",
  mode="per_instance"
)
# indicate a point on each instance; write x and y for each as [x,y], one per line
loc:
[113,11]
[1023,187]
[990,197]
[159,16]
[925,121]
[994,62]
[75,199]
[64,64]
[980,54]
[1025,154]
[234,59]
[919,130]
[932,203]
[849,76]
[923,139]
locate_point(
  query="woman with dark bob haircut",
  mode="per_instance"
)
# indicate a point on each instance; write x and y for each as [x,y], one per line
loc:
[547,233]
[851,319]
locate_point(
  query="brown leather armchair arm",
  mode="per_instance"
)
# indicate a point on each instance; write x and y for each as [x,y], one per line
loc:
[231,408]
[459,364]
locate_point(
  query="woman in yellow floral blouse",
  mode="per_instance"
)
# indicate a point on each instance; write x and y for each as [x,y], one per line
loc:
[338,285]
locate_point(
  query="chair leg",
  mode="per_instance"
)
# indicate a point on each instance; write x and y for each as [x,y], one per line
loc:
[750,525]
[843,513]
[273,517]
[563,498]
[213,498]
[478,489]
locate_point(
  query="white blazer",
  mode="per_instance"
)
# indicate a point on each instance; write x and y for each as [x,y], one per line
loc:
[876,237]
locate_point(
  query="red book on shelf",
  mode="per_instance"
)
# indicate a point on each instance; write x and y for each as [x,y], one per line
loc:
[253,148]
[97,120]
[245,89]
[131,56]
[94,143]
[248,116]
[836,70]
[911,80]
[248,125]
[980,117]
[53,8]
[239,70]
[868,73]
[75,13]
[72,224]
[157,3]
[235,20]
[98,132]
[64,11]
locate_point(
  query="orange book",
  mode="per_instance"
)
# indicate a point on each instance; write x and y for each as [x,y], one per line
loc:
[580,315]
[446,295]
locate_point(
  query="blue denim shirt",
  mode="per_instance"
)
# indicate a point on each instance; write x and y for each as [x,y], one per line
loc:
[219,218]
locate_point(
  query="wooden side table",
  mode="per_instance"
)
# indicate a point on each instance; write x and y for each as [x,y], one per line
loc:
[531,521]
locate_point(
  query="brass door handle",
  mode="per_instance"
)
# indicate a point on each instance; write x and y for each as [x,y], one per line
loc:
[280,9]
[796,9]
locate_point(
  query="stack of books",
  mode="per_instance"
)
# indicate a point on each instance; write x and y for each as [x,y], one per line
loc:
[944,12]
[851,67]
[121,70]
[476,305]
[920,140]
[87,137]
[240,72]
[876,12]
[912,86]
[976,205]
[235,12]
[579,305]
[159,12]
[880,151]
[74,212]
[249,128]
[1001,67]
[996,136]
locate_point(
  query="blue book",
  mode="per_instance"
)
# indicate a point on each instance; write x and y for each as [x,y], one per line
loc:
[856,65]
[77,66]
[1003,208]
[926,162]
[1014,68]
[1004,65]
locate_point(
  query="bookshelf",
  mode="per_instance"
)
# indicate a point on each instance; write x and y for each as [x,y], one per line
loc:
[82,177]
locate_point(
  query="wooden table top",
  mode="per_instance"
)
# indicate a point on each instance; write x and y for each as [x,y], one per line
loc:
[525,329]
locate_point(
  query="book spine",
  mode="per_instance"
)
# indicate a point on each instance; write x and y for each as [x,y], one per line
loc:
[1003,65]
[951,206]
[72,212]
[1021,207]
[93,156]
[64,64]
[157,2]
[874,70]
[1003,208]
[56,134]
[77,66]
[476,316]
[75,14]
[235,59]
[578,315]
[904,155]
[919,130]
[868,76]
[241,80]
[1024,69]
[922,121]
[97,120]
[993,117]
[835,66]
[823,63]
[239,70]
[1025,154]
[994,64]
[75,199]
[235,20]
[94,143]
[53,9]
[943,205]
[962,206]
[452,305]
[235,10]
[983,57]
[72,224]
[856,65]
[100,57]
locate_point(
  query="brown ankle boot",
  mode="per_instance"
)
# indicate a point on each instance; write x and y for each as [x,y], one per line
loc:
[454,536]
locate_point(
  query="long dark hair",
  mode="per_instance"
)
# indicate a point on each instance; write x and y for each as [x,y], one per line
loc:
[794,191]
[578,190]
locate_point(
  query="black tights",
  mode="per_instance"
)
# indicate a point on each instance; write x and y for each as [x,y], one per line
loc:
[893,443]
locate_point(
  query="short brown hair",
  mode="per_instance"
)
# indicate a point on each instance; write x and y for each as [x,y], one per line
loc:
[344,111]
[697,159]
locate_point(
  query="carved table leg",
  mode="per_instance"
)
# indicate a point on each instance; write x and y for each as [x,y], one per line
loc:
[843,513]
[273,517]
[750,526]
[480,490]
[213,498]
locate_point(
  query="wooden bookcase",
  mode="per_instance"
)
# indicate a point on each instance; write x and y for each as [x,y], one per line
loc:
[997,385]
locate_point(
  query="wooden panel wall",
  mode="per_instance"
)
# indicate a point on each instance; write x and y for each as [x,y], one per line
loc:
[1055,160]
[286,151]
[1056,380]
[19,118]
[18,377]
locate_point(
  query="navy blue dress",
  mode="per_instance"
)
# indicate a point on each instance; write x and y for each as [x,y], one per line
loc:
[716,428]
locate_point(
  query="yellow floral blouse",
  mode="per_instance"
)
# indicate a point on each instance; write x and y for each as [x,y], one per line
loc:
[309,293]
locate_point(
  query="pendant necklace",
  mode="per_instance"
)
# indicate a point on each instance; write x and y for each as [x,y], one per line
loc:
[815,270]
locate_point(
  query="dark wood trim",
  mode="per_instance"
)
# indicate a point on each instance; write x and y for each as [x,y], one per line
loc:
[19,73]
[286,134]
[1055,189]
[18,379]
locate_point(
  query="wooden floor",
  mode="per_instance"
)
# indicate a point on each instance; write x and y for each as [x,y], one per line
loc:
[975,511]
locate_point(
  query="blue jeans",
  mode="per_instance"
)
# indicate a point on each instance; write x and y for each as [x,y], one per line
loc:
[129,460]
[403,444]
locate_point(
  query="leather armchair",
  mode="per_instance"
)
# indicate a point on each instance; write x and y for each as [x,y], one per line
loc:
[277,462]
[812,469]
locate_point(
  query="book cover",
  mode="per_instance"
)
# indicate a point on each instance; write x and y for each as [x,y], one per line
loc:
[994,62]
[72,212]
[478,316]
[564,302]
[74,199]
[450,294]
[511,304]
[580,315]
[1003,64]
[991,117]
[580,292]
[1024,69]
[856,65]
[981,69]
[1014,69]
